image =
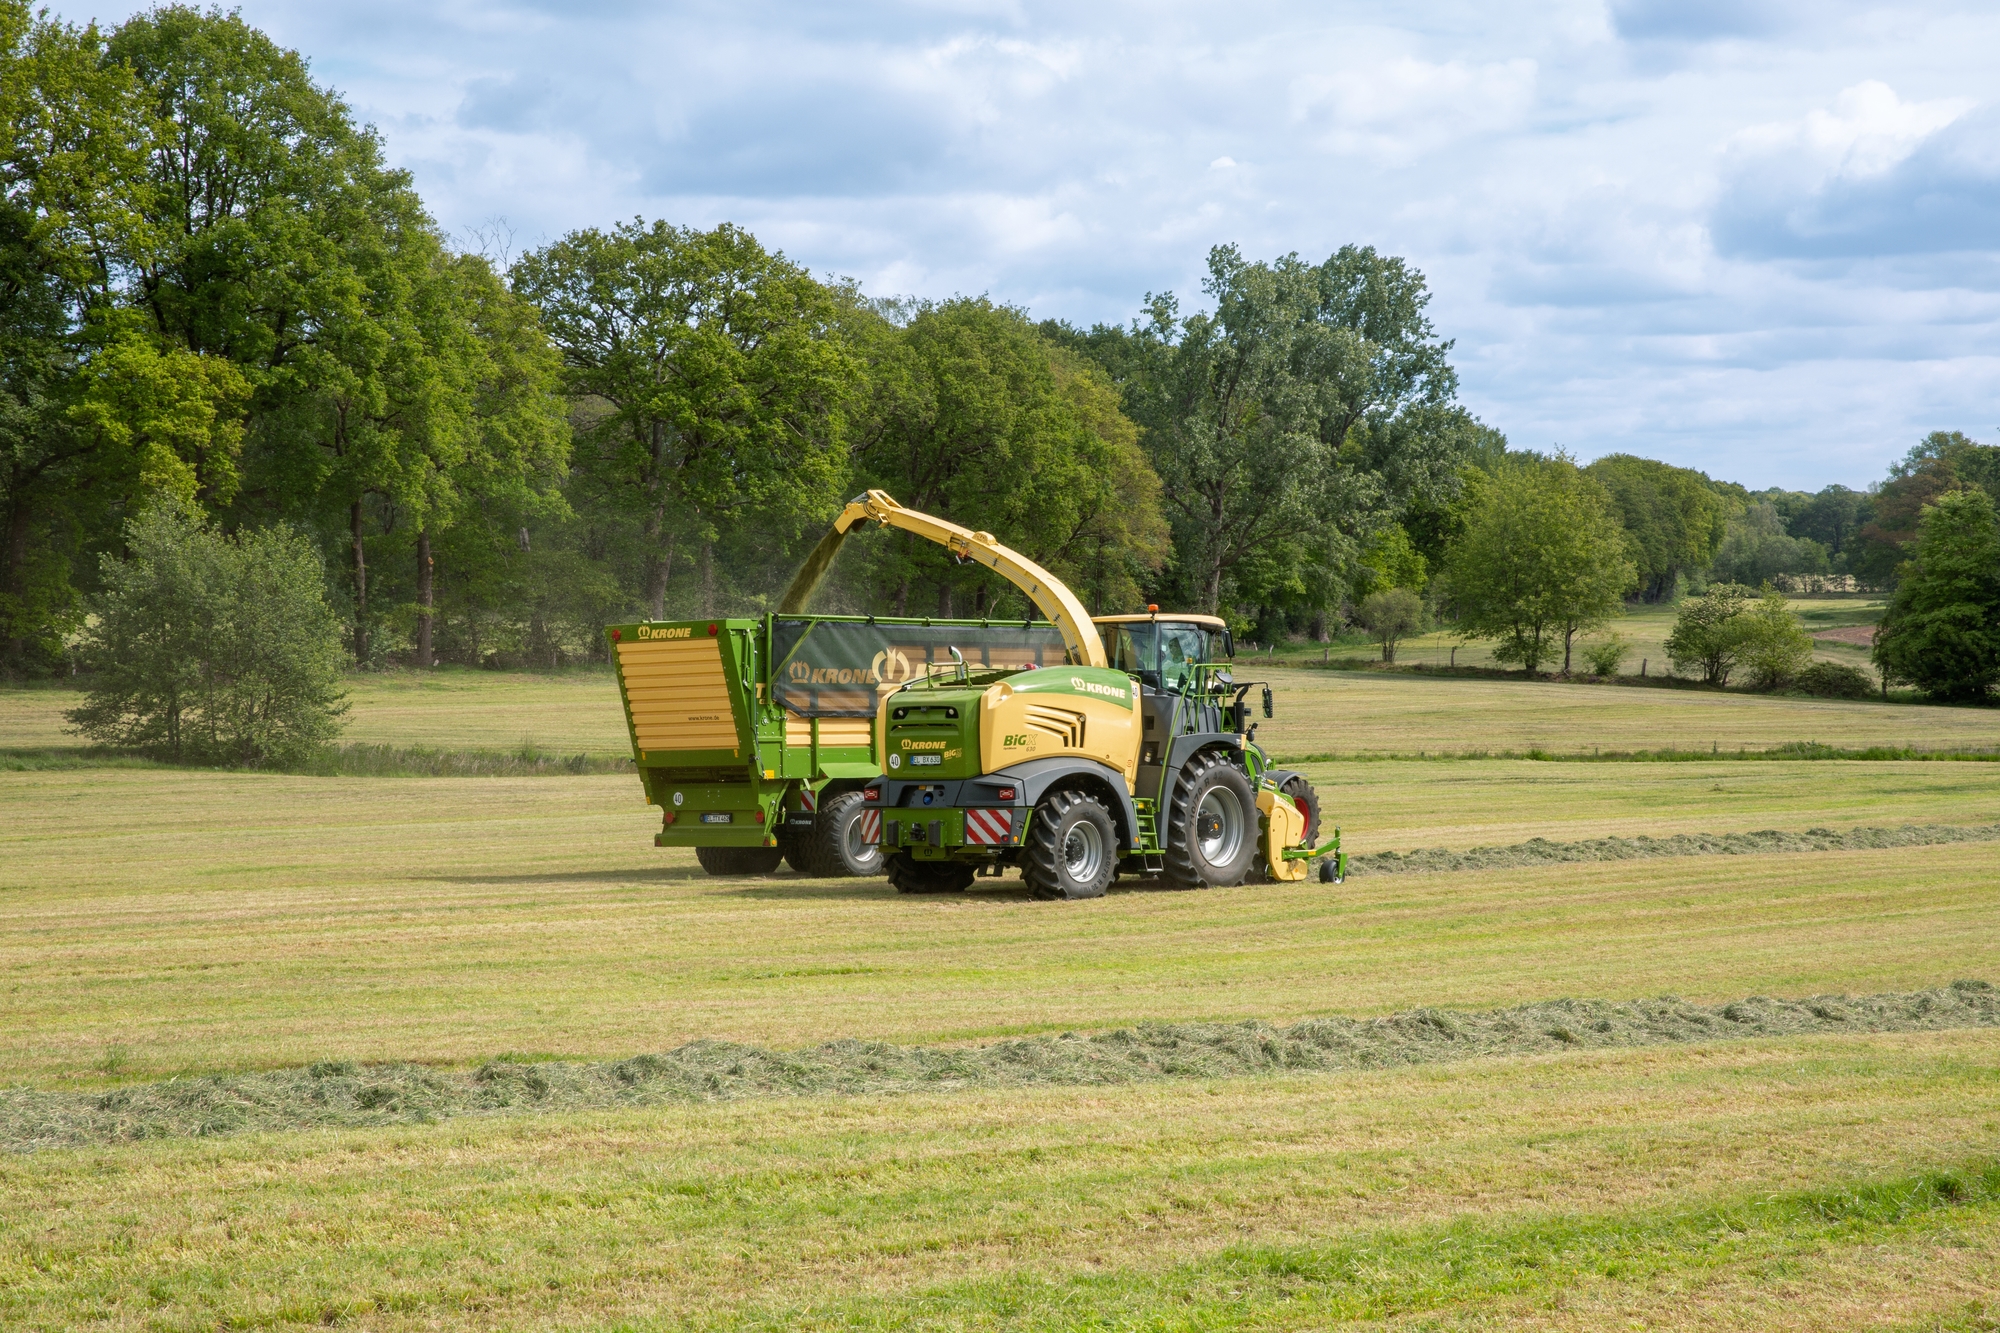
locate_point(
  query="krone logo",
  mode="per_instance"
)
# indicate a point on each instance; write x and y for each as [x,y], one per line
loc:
[665,632]
[677,798]
[1082,686]
[890,666]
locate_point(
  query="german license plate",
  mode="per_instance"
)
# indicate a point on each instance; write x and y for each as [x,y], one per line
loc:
[715,819]
[926,759]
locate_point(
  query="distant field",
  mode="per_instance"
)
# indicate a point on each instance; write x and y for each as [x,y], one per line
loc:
[1645,628]
[1334,712]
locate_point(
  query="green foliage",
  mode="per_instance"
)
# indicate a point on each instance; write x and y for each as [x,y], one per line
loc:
[1390,615]
[1676,518]
[1944,461]
[1757,549]
[974,414]
[210,648]
[1310,410]
[1607,655]
[1544,558]
[1834,680]
[1774,646]
[1942,629]
[1709,631]
[720,384]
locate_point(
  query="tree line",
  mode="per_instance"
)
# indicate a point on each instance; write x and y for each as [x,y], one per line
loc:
[217,301]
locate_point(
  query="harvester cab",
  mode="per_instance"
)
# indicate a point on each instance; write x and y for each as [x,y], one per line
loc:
[1138,761]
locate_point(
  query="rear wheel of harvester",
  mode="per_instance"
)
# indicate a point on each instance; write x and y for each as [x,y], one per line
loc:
[738,860]
[1211,825]
[835,846]
[910,875]
[1071,850]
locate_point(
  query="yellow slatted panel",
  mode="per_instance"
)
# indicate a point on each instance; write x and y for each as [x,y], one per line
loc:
[832,731]
[678,696]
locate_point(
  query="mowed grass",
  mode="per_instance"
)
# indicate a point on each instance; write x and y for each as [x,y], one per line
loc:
[155,921]
[1568,1190]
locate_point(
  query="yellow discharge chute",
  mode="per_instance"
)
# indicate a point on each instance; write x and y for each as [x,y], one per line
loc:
[1047,592]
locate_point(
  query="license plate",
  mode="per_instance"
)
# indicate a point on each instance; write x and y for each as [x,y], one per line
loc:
[926,759]
[715,819]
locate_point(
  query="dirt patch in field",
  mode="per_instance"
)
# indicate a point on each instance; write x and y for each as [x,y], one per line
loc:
[1864,635]
[1540,851]
[337,1094]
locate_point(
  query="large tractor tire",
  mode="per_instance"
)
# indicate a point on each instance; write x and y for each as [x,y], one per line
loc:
[834,849]
[733,861]
[1071,850]
[1211,825]
[796,846]
[910,875]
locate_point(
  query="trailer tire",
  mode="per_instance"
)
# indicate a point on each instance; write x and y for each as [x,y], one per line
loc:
[797,850]
[732,861]
[1211,825]
[1071,850]
[910,875]
[833,848]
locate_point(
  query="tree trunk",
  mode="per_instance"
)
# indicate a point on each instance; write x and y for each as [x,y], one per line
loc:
[903,598]
[944,601]
[17,577]
[360,587]
[1569,638]
[707,567]
[659,565]
[425,601]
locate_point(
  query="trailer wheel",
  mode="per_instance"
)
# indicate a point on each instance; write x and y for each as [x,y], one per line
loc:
[1072,848]
[730,861]
[1211,825]
[910,875]
[834,849]
[796,847]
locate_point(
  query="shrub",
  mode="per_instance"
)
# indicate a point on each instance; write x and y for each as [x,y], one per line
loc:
[1605,658]
[1834,680]
[1942,630]
[1708,632]
[212,648]
[1390,615]
[1775,646]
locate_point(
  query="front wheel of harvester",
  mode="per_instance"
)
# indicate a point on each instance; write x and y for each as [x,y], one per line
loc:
[1211,825]
[738,860]
[836,848]
[910,875]
[1302,796]
[1071,850]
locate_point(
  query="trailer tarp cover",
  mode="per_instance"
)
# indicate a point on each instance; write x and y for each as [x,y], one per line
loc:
[834,668]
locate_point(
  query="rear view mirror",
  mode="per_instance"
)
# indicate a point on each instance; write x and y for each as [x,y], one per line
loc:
[1267,701]
[1228,644]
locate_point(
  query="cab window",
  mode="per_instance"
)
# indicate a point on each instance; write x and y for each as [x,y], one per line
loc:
[1181,646]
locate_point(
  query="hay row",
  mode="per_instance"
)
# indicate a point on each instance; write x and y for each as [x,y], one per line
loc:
[1541,851]
[337,1094]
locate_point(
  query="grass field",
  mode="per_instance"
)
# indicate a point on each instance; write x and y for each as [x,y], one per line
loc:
[157,922]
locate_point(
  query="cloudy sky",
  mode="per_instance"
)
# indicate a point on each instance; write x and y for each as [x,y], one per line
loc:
[1756,237]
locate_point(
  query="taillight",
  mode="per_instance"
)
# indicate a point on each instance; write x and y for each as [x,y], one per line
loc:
[872,794]
[1004,794]
[759,816]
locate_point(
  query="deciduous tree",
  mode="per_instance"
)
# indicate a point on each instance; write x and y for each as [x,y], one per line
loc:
[1942,630]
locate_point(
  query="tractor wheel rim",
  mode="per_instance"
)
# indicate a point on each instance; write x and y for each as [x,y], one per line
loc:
[859,852]
[1083,851]
[1218,823]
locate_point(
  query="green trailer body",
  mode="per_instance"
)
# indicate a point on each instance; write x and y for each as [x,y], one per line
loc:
[743,729]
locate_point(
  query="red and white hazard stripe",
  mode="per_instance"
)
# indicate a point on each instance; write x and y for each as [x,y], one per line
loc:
[871,826]
[808,799]
[988,827]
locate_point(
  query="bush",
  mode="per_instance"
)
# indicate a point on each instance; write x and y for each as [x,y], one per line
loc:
[1390,615]
[1834,680]
[1942,630]
[1605,658]
[1708,632]
[1775,646]
[210,648]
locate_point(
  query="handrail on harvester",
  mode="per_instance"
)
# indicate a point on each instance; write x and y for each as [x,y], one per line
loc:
[1044,589]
